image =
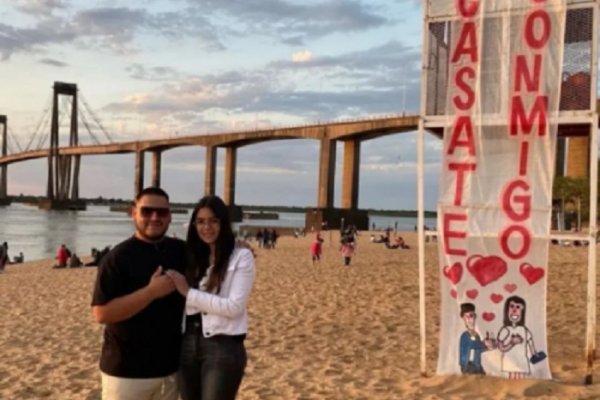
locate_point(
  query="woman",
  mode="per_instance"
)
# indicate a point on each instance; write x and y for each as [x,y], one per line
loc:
[515,341]
[216,285]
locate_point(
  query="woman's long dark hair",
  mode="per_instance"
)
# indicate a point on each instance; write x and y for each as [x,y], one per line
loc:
[198,252]
[517,300]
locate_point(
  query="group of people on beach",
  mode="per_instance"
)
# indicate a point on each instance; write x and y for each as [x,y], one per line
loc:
[392,243]
[347,245]
[192,295]
[65,258]
[267,238]
[5,258]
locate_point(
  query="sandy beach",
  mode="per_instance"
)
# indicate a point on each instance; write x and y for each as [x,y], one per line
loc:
[316,332]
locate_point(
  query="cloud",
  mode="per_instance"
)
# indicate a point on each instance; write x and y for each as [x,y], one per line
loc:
[140,72]
[209,23]
[24,39]
[114,29]
[383,79]
[301,56]
[392,54]
[293,23]
[53,62]
[113,24]
[39,7]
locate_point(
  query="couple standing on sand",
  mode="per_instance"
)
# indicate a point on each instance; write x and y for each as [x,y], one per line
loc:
[151,288]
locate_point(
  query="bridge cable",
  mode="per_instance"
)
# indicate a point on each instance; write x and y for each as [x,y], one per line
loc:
[87,126]
[37,135]
[13,138]
[64,107]
[94,117]
[40,121]
[48,128]
[48,124]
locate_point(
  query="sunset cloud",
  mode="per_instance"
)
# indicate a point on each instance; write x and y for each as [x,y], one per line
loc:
[302,56]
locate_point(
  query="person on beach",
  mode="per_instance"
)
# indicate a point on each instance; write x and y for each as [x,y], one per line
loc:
[399,244]
[19,259]
[140,308]
[217,283]
[62,256]
[347,250]
[74,261]
[97,256]
[3,255]
[316,248]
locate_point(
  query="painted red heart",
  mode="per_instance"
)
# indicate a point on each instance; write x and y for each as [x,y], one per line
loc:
[453,293]
[488,316]
[496,298]
[486,269]
[472,294]
[510,287]
[454,273]
[531,273]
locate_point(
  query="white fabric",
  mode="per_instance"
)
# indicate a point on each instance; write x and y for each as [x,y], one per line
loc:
[496,187]
[226,313]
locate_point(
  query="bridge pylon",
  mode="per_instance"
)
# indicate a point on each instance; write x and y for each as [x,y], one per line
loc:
[63,170]
[4,167]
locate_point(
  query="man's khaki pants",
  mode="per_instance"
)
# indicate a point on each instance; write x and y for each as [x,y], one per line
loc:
[115,388]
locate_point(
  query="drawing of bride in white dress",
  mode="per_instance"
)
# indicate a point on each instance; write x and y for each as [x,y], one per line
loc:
[515,341]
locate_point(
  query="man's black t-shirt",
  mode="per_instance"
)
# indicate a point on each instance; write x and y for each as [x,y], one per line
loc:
[147,344]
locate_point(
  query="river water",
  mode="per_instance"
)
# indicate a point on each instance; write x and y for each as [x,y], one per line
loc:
[38,233]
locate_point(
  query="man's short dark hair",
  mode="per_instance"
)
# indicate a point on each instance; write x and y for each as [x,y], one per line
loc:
[151,190]
[466,307]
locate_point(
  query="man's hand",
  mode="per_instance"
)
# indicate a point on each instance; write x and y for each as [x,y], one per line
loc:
[160,285]
[179,281]
[243,244]
[124,307]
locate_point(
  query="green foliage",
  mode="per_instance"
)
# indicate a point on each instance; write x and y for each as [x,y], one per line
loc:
[573,194]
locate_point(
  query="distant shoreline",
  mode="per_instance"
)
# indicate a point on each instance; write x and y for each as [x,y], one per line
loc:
[100,201]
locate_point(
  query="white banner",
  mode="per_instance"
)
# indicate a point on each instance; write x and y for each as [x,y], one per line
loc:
[495,204]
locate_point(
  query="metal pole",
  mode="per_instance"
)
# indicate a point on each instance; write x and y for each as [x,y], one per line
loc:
[590,337]
[3,167]
[590,346]
[420,191]
[421,242]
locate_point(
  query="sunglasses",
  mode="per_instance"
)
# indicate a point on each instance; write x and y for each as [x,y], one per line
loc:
[161,212]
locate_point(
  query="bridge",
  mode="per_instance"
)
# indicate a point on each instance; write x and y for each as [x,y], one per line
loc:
[64,161]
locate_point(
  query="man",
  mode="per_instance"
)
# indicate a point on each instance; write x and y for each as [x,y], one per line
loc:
[140,307]
[471,346]
[3,256]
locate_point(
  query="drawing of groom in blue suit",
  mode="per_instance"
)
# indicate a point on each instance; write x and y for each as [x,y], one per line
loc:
[471,346]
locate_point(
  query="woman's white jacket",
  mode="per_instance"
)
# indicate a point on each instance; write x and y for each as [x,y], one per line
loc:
[226,313]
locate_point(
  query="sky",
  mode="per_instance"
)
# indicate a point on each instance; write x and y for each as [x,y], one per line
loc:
[152,69]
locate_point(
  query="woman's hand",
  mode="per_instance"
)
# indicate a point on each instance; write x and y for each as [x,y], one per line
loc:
[180,282]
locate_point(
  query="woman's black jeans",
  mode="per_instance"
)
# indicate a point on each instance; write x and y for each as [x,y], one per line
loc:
[211,368]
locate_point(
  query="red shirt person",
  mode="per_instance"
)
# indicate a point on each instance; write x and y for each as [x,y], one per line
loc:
[62,255]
